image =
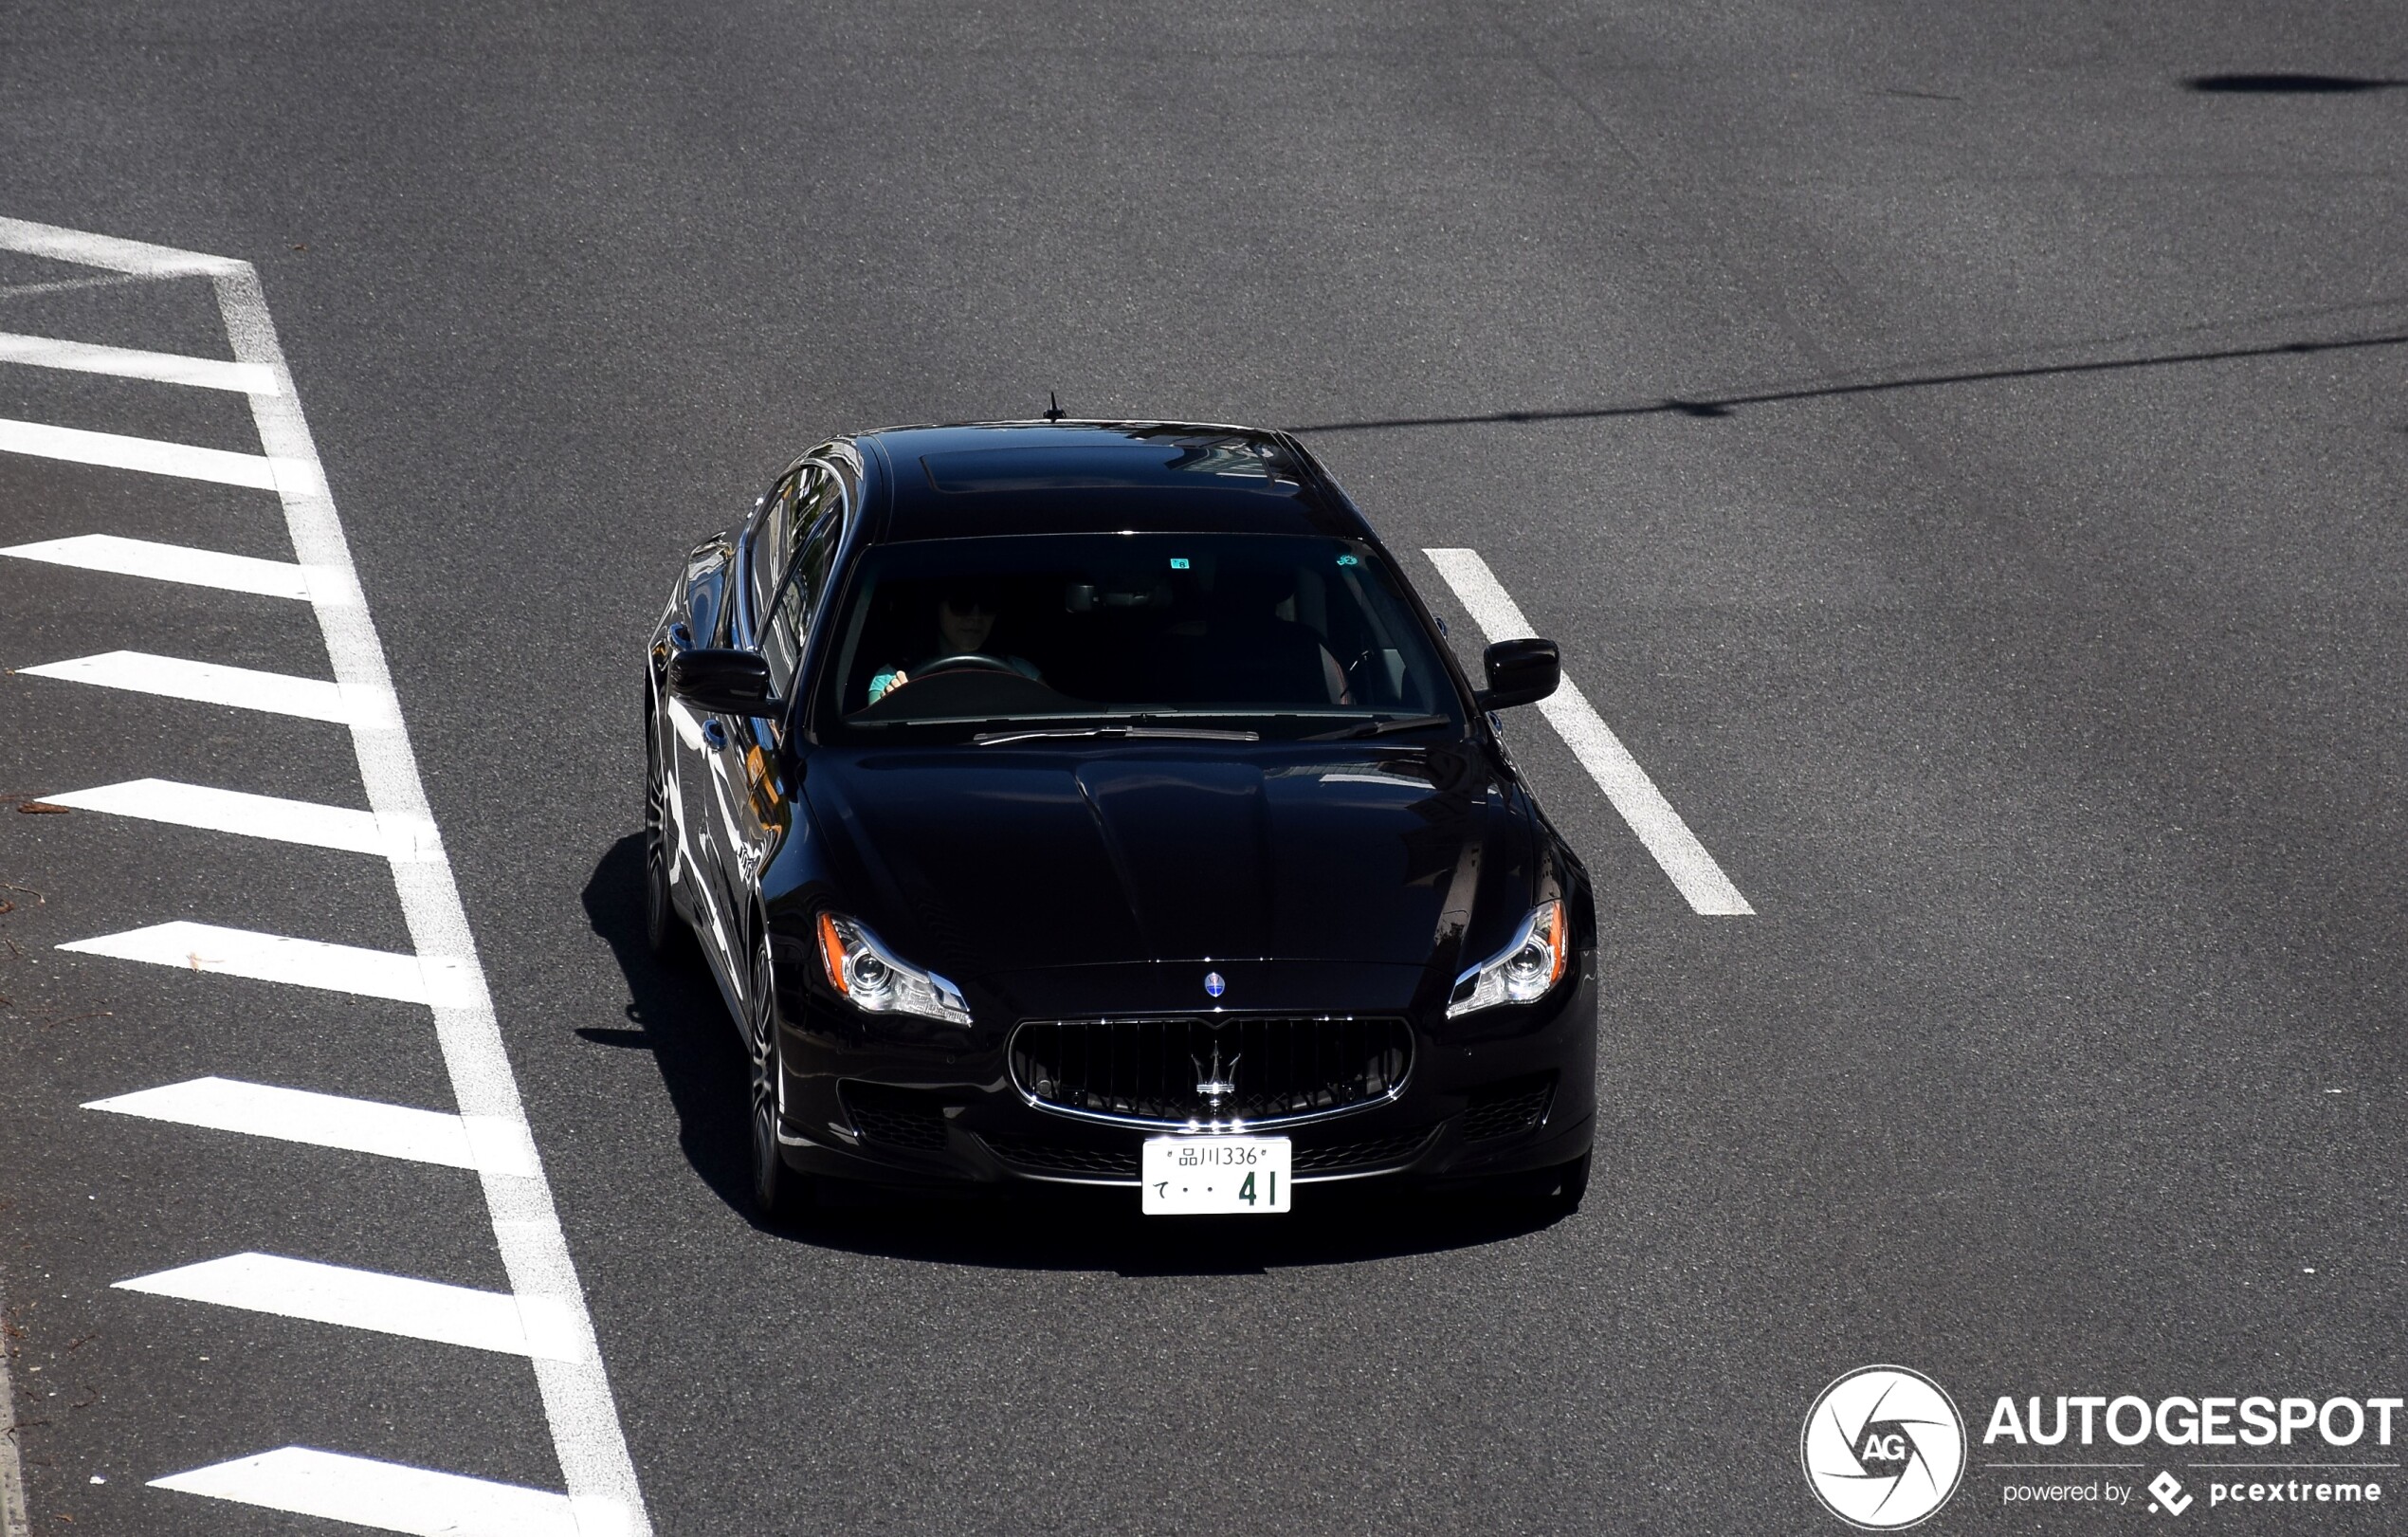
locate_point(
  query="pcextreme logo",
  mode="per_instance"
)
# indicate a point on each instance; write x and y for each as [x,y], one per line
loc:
[1883,1448]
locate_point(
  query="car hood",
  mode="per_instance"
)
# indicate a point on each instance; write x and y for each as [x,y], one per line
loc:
[985,861]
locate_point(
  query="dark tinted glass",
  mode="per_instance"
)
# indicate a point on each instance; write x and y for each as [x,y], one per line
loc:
[1280,635]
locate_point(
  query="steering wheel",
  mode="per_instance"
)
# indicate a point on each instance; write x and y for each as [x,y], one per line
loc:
[964,661]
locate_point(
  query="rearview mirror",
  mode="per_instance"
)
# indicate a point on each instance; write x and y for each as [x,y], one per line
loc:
[1520,673]
[722,681]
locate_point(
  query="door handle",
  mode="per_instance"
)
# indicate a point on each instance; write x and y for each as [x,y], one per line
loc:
[715,733]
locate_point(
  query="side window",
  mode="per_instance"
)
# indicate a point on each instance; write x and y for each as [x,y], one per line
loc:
[820,516]
[771,545]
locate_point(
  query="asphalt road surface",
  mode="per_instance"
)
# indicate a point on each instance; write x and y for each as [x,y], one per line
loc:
[1961,455]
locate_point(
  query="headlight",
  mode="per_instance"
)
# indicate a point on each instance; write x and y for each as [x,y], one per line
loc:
[1522,971]
[870,978]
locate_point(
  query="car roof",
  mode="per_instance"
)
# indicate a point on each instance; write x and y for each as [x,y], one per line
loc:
[988,478]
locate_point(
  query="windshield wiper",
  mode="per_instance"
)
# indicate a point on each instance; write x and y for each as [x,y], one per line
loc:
[989,739]
[1381,729]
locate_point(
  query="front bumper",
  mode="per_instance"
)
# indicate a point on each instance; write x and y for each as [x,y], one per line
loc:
[1515,1093]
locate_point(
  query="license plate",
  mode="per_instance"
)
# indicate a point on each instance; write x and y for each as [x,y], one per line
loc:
[1215,1175]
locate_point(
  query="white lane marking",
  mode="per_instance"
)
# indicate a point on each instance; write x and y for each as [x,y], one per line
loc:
[1625,785]
[169,564]
[577,1402]
[86,248]
[213,683]
[384,1497]
[130,363]
[275,958]
[152,456]
[402,1305]
[255,817]
[603,1488]
[298,1115]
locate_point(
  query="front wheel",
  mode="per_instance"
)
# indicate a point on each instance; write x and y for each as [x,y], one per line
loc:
[1572,1183]
[777,1190]
[663,931]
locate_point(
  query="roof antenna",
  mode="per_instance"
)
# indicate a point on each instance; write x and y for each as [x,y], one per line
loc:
[1054,407]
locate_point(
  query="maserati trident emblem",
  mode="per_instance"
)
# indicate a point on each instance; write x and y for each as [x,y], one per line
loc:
[1214,986]
[1215,1084]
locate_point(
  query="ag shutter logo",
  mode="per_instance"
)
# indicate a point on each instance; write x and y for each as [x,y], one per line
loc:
[1883,1447]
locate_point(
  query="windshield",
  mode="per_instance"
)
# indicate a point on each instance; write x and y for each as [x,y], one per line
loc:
[1286,637]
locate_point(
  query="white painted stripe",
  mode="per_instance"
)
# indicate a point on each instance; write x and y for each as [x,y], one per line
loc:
[603,1488]
[129,363]
[256,816]
[371,1300]
[1625,785]
[86,248]
[155,456]
[169,564]
[383,1496]
[211,683]
[275,958]
[359,1126]
[578,1403]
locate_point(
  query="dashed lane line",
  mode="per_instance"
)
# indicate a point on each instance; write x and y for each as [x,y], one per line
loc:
[152,456]
[256,816]
[1610,763]
[123,557]
[359,1126]
[403,1305]
[386,1496]
[213,683]
[435,981]
[129,363]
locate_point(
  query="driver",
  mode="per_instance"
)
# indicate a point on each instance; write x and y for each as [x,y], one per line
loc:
[965,619]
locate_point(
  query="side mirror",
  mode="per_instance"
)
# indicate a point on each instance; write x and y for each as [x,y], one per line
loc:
[723,682]
[1520,673]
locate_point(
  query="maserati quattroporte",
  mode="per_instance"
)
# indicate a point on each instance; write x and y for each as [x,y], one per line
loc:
[1096,803]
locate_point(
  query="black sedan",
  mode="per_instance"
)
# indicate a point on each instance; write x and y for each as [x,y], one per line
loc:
[1095,803]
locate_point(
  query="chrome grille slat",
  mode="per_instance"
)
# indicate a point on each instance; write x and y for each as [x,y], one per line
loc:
[1147,1072]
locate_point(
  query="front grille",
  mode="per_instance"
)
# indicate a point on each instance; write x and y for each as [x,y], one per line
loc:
[1057,1157]
[1212,1068]
[1369,1152]
[896,1117]
[1506,1108]
[1125,1163]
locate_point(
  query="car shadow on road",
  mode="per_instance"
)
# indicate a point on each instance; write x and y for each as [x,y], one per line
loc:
[674,1013]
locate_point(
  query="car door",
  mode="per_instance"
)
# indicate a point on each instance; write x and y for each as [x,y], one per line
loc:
[748,796]
[698,738]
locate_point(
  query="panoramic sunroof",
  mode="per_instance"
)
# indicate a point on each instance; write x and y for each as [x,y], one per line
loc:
[1225,465]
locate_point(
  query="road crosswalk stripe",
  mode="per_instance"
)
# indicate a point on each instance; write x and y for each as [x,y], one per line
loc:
[359,1126]
[255,817]
[170,562]
[387,1496]
[402,1305]
[1642,805]
[275,958]
[131,363]
[155,456]
[213,683]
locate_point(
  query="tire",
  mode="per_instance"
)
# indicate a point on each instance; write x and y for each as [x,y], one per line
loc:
[779,1191]
[664,933]
[1572,1183]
